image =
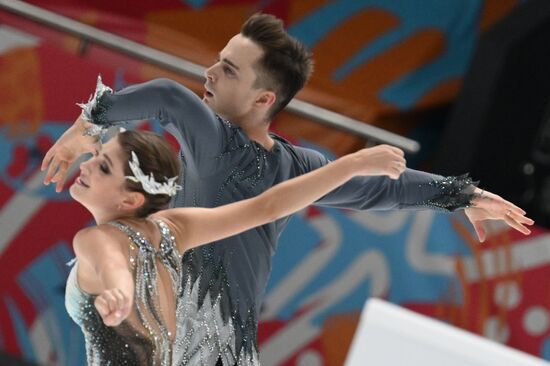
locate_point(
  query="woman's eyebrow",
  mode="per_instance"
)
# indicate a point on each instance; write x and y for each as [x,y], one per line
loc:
[109,160]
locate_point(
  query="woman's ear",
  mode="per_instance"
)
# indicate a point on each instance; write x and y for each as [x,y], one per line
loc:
[131,201]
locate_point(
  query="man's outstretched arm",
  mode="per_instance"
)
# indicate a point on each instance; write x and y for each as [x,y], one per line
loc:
[420,190]
[178,109]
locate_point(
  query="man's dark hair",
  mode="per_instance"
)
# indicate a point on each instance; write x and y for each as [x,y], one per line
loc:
[285,66]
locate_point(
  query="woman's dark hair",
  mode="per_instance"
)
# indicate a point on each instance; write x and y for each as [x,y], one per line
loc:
[155,156]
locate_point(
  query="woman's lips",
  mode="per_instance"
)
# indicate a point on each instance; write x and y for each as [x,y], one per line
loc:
[81,183]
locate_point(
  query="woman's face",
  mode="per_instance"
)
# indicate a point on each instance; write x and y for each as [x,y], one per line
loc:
[100,185]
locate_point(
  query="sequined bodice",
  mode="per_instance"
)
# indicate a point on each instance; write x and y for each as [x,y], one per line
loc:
[144,338]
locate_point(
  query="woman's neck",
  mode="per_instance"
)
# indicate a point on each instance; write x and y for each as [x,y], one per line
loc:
[113,216]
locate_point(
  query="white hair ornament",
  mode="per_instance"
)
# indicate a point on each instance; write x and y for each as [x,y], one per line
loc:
[148,182]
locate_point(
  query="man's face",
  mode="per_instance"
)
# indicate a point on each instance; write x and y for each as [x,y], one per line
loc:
[229,82]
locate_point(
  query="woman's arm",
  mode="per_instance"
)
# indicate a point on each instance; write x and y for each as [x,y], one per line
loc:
[100,252]
[196,226]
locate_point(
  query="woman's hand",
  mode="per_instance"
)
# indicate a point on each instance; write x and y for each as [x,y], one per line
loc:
[489,206]
[380,160]
[113,306]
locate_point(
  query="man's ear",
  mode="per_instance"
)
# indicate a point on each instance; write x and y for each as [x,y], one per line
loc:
[266,99]
[131,201]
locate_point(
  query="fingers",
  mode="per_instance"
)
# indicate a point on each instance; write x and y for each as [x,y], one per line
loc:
[515,208]
[393,174]
[60,175]
[381,160]
[53,166]
[480,231]
[122,301]
[400,164]
[47,159]
[507,205]
[102,306]
[57,173]
[516,225]
[397,163]
[61,183]
[109,300]
[499,207]
[396,171]
[112,306]
[518,222]
[394,149]
[116,300]
[478,215]
[520,218]
[510,206]
[515,216]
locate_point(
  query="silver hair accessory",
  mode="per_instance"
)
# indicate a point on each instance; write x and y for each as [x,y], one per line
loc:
[148,182]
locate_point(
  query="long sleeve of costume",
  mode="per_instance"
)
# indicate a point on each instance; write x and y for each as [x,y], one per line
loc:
[178,109]
[202,137]
[413,190]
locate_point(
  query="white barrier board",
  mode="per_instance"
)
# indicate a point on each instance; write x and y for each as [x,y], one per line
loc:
[389,335]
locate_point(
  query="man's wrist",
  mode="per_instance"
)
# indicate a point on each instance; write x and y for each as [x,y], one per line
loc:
[89,129]
[82,125]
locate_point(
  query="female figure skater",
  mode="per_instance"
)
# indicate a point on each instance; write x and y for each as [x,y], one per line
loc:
[125,289]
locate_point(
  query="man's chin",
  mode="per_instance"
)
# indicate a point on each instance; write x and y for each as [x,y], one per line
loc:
[210,103]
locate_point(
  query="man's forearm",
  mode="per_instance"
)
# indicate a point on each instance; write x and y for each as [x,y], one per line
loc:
[414,190]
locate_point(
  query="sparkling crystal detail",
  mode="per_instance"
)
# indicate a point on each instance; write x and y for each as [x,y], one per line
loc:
[454,193]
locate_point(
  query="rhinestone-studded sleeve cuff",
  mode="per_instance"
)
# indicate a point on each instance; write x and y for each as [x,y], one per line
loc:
[95,111]
[454,193]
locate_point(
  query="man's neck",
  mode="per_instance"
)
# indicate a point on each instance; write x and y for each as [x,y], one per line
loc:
[259,133]
[261,138]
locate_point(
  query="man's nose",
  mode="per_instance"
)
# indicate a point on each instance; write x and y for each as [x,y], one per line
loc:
[209,73]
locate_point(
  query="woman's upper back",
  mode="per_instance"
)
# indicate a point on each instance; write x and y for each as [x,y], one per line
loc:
[147,335]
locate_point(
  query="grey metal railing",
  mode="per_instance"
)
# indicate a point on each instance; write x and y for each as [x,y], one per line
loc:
[173,63]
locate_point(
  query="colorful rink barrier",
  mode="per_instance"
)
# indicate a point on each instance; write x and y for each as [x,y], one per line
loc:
[329,262]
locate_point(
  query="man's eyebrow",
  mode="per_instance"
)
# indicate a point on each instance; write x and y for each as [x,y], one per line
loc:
[108,160]
[229,62]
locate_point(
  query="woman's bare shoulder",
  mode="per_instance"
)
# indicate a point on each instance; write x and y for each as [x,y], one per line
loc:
[97,238]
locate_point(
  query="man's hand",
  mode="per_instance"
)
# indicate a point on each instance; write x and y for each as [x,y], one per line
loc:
[489,206]
[66,150]
[113,306]
[381,160]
